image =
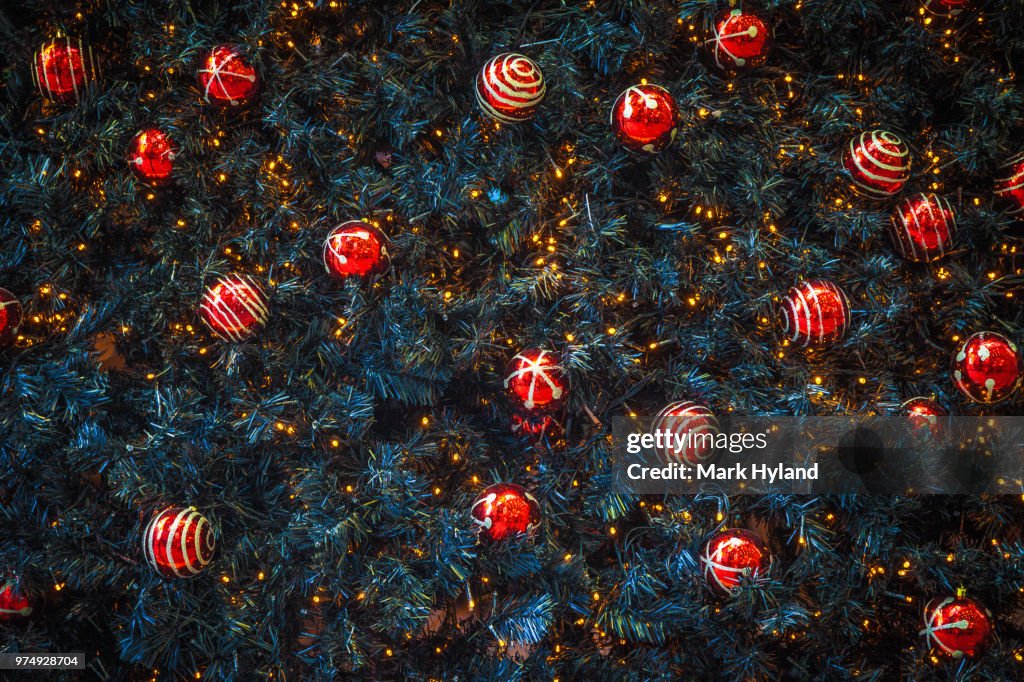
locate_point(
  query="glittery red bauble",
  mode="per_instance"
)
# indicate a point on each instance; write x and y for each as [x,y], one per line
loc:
[535,383]
[926,416]
[510,87]
[815,312]
[151,156]
[10,317]
[690,425]
[505,509]
[878,163]
[945,8]
[537,428]
[13,602]
[1010,184]
[958,626]
[740,40]
[987,367]
[732,553]
[227,77]
[356,249]
[923,227]
[645,118]
[178,542]
[235,307]
[63,68]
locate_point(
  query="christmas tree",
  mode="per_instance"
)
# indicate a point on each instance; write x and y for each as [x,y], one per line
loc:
[267,263]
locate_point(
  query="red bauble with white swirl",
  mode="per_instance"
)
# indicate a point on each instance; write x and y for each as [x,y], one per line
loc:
[227,77]
[926,416]
[815,312]
[537,429]
[878,164]
[987,367]
[535,383]
[356,249]
[63,68]
[691,427]
[503,510]
[945,8]
[1010,185]
[151,156]
[11,316]
[730,554]
[958,626]
[645,118]
[235,307]
[923,228]
[740,40]
[510,87]
[178,542]
[14,603]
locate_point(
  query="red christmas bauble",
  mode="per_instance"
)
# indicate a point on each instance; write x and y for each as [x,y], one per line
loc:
[178,542]
[63,68]
[14,603]
[1010,184]
[692,429]
[227,77]
[235,307]
[945,8]
[645,118]
[10,317]
[536,383]
[505,509]
[987,367]
[510,87]
[356,249]
[537,428]
[740,40]
[958,626]
[815,312]
[732,553]
[925,415]
[878,163]
[151,156]
[923,227]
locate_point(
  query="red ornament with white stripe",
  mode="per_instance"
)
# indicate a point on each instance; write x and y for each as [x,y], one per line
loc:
[235,307]
[503,510]
[690,426]
[151,156]
[179,542]
[227,78]
[1010,185]
[815,312]
[740,40]
[925,415]
[878,163]
[356,249]
[537,429]
[945,8]
[987,367]
[510,88]
[14,603]
[535,383]
[63,68]
[923,228]
[10,317]
[729,555]
[957,626]
[645,118]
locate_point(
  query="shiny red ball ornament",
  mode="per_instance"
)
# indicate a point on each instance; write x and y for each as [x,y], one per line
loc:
[987,367]
[505,509]
[510,88]
[178,542]
[356,249]
[740,40]
[926,416]
[815,312]
[14,604]
[537,428]
[645,118]
[1010,185]
[923,227]
[227,77]
[730,554]
[958,626]
[692,429]
[10,317]
[945,8]
[535,383]
[878,164]
[63,68]
[151,156]
[235,307]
